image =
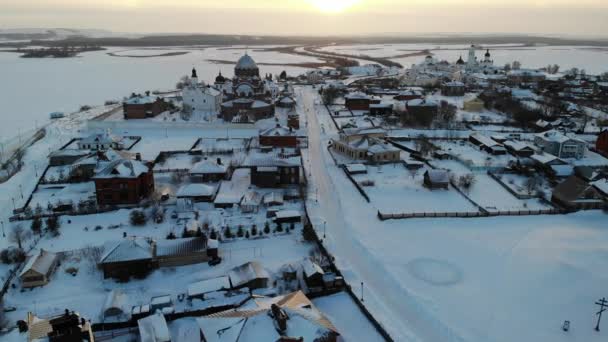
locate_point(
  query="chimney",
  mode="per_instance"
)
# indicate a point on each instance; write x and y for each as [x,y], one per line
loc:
[219,161]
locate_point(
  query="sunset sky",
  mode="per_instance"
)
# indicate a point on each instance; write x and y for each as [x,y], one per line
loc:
[313,17]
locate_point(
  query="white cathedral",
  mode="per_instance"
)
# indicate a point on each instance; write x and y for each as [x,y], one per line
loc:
[474,65]
[201,99]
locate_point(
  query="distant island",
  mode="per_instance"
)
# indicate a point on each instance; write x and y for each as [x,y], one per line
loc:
[56,52]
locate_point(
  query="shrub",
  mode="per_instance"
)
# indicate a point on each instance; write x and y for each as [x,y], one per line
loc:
[240,233]
[37,225]
[137,218]
[52,224]
[279,227]
[308,233]
[267,228]
[254,230]
[171,236]
[227,233]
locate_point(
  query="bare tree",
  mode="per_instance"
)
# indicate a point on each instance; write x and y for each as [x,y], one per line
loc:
[531,185]
[18,235]
[516,65]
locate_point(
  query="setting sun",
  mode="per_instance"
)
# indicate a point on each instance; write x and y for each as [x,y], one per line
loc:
[333,6]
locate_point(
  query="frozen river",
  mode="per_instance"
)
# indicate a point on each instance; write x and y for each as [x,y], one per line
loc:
[30,89]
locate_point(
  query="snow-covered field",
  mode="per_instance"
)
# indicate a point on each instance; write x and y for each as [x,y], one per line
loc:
[487,279]
[592,60]
[32,88]
[395,191]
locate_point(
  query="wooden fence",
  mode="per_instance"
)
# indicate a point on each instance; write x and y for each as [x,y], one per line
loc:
[399,216]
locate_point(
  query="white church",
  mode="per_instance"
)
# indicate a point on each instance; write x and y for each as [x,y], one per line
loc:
[201,99]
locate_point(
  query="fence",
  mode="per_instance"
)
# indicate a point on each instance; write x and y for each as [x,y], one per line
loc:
[359,188]
[379,328]
[399,216]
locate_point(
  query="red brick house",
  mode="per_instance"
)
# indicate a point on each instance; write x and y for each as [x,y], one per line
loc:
[141,107]
[278,137]
[602,142]
[357,101]
[123,182]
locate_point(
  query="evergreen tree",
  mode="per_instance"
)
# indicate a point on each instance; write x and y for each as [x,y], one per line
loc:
[254,230]
[267,228]
[240,233]
[37,225]
[308,233]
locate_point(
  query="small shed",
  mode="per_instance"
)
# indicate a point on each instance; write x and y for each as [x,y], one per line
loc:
[436,179]
[251,275]
[251,202]
[288,216]
[38,269]
[273,199]
[199,289]
[313,273]
[197,192]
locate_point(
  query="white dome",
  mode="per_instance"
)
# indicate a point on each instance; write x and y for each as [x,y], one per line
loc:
[246,62]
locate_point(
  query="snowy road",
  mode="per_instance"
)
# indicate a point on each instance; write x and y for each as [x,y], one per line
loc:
[385,297]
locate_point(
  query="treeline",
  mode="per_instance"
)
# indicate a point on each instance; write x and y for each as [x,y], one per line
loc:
[207,39]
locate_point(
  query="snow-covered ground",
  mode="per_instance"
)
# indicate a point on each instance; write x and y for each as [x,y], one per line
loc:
[397,190]
[592,60]
[489,279]
[30,86]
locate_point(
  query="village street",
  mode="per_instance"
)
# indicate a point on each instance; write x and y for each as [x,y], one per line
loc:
[383,295]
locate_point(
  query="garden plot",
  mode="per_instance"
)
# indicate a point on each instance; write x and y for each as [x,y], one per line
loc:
[57,174]
[62,194]
[487,192]
[493,197]
[357,122]
[177,161]
[220,145]
[396,191]
[472,155]
[525,185]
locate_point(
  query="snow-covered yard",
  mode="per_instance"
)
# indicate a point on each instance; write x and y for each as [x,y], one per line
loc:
[472,155]
[396,191]
[86,292]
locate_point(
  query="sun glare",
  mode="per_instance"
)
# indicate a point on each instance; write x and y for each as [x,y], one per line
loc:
[333,6]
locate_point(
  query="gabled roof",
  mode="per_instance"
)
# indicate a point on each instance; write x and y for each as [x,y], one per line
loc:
[438,176]
[196,190]
[277,131]
[41,262]
[247,272]
[208,167]
[123,168]
[128,249]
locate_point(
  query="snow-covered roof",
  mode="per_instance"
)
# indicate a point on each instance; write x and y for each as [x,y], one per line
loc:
[40,262]
[438,176]
[208,167]
[517,145]
[208,285]
[601,185]
[454,84]
[273,197]
[123,168]
[285,214]
[422,103]
[357,95]
[556,136]
[154,329]
[486,141]
[251,198]
[356,168]
[254,323]
[311,268]
[196,190]
[231,192]
[246,62]
[127,250]
[277,131]
[137,100]
[247,272]
[265,161]
[103,138]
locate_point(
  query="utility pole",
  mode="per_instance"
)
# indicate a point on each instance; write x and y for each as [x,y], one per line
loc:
[362,292]
[324,228]
[21,190]
[3,234]
[603,303]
